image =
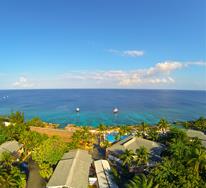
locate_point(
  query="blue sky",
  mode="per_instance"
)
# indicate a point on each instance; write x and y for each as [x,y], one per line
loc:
[103,44]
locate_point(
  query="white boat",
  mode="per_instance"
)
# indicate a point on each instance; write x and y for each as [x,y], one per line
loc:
[77,109]
[115,110]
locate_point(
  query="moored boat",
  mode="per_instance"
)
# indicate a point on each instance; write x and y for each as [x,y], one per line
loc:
[77,109]
[115,110]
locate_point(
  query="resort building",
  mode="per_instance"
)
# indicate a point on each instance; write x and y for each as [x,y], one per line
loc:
[12,147]
[194,133]
[72,170]
[133,143]
[103,173]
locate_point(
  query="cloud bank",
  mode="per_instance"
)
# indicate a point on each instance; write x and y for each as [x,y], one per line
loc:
[23,82]
[159,75]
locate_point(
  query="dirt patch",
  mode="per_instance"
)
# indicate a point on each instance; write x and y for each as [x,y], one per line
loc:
[71,128]
[64,134]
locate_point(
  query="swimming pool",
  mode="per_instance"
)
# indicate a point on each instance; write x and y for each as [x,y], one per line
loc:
[111,137]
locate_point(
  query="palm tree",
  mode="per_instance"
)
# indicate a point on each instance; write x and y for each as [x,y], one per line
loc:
[86,137]
[17,117]
[142,156]
[153,134]
[144,127]
[127,157]
[138,133]
[164,170]
[102,128]
[9,181]
[124,130]
[141,182]
[13,178]
[20,178]
[195,143]
[198,161]
[178,149]
[163,125]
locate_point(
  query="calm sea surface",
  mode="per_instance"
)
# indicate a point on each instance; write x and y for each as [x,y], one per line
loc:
[135,106]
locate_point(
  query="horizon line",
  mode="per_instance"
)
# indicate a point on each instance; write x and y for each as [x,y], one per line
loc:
[102,89]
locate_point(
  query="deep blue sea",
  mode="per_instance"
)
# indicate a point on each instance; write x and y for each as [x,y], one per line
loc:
[135,106]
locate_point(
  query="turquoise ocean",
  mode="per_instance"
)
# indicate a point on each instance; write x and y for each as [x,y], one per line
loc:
[96,105]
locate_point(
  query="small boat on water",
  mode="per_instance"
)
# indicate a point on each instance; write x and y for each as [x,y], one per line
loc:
[77,110]
[115,110]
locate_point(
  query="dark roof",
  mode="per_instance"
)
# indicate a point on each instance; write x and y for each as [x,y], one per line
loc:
[72,170]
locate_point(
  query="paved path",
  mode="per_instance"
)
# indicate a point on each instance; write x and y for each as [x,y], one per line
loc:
[34,180]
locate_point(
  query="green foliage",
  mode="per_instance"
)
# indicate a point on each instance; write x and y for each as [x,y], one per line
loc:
[3,138]
[31,140]
[142,156]
[17,117]
[50,151]
[82,138]
[105,144]
[115,175]
[174,134]
[198,160]
[124,130]
[48,154]
[141,182]
[173,173]
[13,132]
[102,127]
[118,137]
[163,125]
[199,124]
[7,159]
[127,157]
[36,122]
[144,128]
[139,158]
[45,151]
[184,165]
[10,176]
[45,170]
[152,134]
[183,162]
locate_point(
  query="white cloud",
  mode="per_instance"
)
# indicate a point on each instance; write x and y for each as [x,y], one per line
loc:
[158,74]
[133,53]
[129,53]
[165,67]
[198,63]
[23,83]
